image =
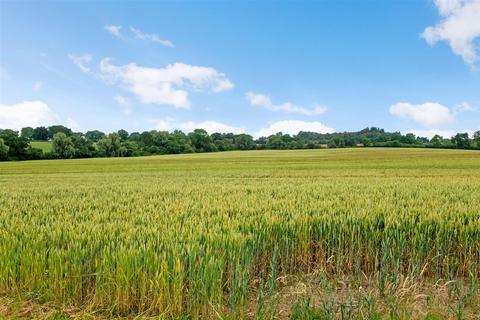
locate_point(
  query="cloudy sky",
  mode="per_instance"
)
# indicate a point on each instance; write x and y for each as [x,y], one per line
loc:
[260,68]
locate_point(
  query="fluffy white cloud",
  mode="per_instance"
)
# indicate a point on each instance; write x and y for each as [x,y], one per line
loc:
[124,104]
[210,126]
[115,30]
[288,107]
[169,85]
[293,127]
[460,27]
[26,114]
[151,37]
[429,114]
[83,61]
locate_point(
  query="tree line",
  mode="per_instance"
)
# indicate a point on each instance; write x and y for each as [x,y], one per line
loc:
[66,144]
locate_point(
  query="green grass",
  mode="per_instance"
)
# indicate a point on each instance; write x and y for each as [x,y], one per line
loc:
[203,235]
[45,146]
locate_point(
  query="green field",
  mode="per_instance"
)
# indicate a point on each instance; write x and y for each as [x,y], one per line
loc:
[45,146]
[311,234]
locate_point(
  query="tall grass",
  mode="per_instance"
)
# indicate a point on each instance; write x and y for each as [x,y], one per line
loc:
[199,234]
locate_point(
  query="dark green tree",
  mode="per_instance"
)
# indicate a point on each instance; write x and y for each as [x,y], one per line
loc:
[40,133]
[17,146]
[27,133]
[461,141]
[52,130]
[201,141]
[244,142]
[94,135]
[3,150]
[123,134]
[476,139]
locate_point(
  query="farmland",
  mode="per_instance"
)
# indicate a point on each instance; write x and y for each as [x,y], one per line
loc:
[233,234]
[45,146]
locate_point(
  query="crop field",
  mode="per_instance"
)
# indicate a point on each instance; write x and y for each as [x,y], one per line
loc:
[310,234]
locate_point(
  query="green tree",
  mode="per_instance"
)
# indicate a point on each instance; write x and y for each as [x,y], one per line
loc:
[27,133]
[244,142]
[201,141]
[110,145]
[62,146]
[3,151]
[476,138]
[40,133]
[17,146]
[94,135]
[461,141]
[123,134]
[436,141]
[83,148]
[53,130]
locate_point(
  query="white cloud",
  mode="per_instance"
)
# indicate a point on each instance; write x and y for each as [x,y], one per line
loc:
[288,107]
[293,127]
[82,61]
[124,104]
[429,114]
[465,107]
[37,86]
[210,126]
[26,114]
[114,30]
[460,27]
[151,37]
[72,124]
[169,85]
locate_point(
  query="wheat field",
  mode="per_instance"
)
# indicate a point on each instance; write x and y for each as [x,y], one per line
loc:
[213,235]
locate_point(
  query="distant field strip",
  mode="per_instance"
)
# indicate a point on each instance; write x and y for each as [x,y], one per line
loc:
[198,234]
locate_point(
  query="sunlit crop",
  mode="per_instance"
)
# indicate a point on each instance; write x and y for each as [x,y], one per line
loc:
[199,234]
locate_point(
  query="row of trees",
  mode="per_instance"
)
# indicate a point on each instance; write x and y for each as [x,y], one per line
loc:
[68,144]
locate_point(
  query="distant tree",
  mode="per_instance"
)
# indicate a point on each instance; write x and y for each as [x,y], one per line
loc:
[40,133]
[436,141]
[123,134]
[94,135]
[53,130]
[83,148]
[134,136]
[201,141]
[476,139]
[332,144]
[17,146]
[34,153]
[461,141]
[244,142]
[110,145]
[409,138]
[62,146]
[27,133]
[276,142]
[3,151]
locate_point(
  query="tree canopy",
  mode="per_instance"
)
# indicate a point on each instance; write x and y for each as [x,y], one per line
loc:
[68,144]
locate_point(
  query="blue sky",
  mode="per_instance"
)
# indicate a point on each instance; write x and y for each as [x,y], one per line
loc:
[257,67]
